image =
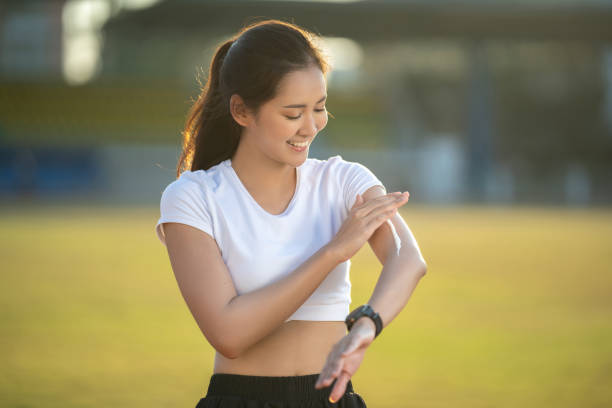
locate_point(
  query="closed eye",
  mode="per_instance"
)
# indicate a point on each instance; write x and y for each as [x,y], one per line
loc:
[297,117]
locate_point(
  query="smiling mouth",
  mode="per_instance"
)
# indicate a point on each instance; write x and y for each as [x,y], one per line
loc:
[299,144]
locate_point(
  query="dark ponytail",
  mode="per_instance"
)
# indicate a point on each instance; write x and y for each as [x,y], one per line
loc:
[250,64]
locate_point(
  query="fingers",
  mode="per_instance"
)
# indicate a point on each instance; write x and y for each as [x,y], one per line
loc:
[335,362]
[382,203]
[330,371]
[339,387]
[381,214]
[374,201]
[376,221]
[358,201]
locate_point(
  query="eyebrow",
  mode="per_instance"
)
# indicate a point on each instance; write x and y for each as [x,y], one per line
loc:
[302,105]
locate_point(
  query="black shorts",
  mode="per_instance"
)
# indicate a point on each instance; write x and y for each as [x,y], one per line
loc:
[241,391]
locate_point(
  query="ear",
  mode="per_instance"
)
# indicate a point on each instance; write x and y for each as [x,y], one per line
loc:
[239,111]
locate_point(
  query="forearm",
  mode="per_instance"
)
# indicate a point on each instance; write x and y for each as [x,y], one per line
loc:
[398,279]
[250,317]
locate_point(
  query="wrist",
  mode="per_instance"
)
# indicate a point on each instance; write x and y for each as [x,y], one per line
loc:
[365,325]
[333,253]
[365,311]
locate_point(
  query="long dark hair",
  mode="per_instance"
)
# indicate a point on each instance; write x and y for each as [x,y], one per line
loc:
[250,64]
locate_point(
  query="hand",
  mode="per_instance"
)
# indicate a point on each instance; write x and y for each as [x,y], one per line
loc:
[345,357]
[363,219]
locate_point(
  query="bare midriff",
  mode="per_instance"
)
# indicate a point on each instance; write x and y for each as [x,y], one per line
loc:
[297,347]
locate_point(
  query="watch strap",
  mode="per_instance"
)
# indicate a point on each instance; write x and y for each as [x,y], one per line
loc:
[364,310]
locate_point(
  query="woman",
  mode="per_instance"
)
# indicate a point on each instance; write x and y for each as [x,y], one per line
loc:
[260,236]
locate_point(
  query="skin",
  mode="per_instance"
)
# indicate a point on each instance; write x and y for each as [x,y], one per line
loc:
[264,161]
[266,164]
[403,268]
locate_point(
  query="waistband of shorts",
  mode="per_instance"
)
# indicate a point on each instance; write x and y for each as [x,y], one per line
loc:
[285,388]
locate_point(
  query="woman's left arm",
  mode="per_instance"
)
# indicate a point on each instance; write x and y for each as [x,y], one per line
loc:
[403,267]
[403,264]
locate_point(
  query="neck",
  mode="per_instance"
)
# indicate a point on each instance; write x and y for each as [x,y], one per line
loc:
[261,174]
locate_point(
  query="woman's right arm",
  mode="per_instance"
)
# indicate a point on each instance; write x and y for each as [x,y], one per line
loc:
[232,323]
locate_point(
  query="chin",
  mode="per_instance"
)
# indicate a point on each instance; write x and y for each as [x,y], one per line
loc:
[296,163]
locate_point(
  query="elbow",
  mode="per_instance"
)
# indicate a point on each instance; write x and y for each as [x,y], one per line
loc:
[228,345]
[227,349]
[223,341]
[423,269]
[230,341]
[419,268]
[228,353]
[416,265]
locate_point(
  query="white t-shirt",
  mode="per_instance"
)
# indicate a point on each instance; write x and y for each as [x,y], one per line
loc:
[258,247]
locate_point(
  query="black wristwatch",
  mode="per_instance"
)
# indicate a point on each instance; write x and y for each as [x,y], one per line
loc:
[364,310]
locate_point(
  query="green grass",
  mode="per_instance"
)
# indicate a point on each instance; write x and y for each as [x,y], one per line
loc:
[516,310]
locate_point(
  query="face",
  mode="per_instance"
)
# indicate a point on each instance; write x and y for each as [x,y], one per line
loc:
[296,114]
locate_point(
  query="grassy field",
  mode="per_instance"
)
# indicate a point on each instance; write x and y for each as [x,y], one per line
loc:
[515,311]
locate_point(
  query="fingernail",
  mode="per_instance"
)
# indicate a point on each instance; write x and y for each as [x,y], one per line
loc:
[331,400]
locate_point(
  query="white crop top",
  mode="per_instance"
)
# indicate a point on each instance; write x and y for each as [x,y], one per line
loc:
[259,247]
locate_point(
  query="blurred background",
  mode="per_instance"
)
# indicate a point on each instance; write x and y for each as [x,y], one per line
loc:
[496,115]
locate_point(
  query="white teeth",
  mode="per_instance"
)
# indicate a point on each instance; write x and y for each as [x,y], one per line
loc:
[302,144]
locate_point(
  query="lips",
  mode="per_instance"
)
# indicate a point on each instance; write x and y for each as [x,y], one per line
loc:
[296,148]
[299,144]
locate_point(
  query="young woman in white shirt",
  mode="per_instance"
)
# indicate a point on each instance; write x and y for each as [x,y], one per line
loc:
[260,236]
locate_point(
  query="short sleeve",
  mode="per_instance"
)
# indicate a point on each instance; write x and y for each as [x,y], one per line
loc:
[355,178]
[182,201]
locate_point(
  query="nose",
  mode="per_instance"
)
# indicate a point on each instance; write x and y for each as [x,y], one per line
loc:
[310,127]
